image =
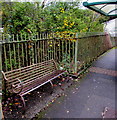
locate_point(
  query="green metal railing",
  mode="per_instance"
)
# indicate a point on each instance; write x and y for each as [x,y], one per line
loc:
[71,54]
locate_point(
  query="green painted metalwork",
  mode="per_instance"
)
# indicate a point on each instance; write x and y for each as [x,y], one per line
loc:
[94,6]
[100,2]
[64,50]
[76,53]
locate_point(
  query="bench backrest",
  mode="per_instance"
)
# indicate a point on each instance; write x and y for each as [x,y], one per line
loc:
[30,73]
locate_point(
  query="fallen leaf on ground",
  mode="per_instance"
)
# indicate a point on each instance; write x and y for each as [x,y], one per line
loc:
[67,111]
[54,85]
[76,80]
[17,103]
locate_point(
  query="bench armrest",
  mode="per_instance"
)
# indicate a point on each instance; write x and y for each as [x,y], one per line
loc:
[3,74]
[17,88]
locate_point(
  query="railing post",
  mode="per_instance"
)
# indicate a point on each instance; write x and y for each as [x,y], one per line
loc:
[76,53]
[1,114]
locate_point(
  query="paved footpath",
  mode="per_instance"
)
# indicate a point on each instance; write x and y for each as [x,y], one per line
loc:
[88,98]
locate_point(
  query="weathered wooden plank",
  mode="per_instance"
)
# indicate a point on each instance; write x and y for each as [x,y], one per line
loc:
[29,78]
[28,74]
[42,64]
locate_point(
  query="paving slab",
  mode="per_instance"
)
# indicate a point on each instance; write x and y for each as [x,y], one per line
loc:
[108,60]
[88,98]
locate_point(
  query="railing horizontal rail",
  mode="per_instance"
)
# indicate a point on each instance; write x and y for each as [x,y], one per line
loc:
[17,52]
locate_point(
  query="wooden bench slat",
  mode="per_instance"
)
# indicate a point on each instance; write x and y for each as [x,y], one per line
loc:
[25,74]
[30,73]
[42,63]
[26,70]
[40,81]
[27,80]
[43,77]
[31,77]
[29,67]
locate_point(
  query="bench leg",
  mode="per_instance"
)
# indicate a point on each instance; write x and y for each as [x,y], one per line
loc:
[24,104]
[51,84]
[52,87]
[68,78]
[19,99]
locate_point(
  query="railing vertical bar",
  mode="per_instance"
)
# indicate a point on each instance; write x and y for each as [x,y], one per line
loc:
[29,46]
[32,49]
[76,52]
[69,55]
[2,37]
[47,47]
[5,56]
[18,52]
[5,53]
[14,50]
[54,50]
[26,51]
[22,50]
[66,48]
[62,49]
[56,56]
[38,55]
[59,51]
[36,49]
[41,48]
[51,48]
[10,54]
[73,56]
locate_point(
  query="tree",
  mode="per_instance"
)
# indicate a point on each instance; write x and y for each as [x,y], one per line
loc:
[26,17]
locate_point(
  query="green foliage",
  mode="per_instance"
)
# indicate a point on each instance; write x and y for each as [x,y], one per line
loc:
[27,17]
[67,63]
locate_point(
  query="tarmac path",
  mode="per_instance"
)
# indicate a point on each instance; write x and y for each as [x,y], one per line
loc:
[88,98]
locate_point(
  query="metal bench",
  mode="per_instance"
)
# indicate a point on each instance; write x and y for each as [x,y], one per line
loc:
[24,80]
